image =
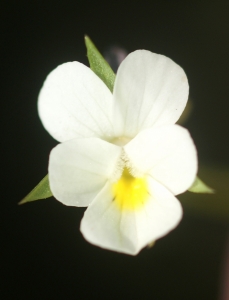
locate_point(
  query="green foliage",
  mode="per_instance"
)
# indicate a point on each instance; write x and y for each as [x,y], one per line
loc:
[214,206]
[41,191]
[99,65]
[200,187]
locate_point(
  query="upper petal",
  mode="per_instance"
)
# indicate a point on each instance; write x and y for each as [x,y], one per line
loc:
[74,102]
[104,224]
[79,169]
[166,153]
[150,90]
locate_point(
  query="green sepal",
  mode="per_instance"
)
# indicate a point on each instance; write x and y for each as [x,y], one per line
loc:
[41,191]
[200,187]
[99,65]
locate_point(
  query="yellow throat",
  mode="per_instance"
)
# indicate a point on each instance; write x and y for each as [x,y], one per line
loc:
[130,193]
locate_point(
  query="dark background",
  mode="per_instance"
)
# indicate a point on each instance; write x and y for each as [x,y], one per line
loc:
[43,253]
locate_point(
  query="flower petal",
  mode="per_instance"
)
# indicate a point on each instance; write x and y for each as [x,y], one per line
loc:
[150,90]
[74,102]
[168,154]
[106,226]
[79,169]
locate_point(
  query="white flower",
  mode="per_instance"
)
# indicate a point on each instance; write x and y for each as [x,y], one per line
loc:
[121,155]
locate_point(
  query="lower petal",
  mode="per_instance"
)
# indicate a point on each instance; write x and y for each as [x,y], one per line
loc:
[108,226]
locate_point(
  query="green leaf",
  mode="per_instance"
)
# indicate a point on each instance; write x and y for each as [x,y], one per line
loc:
[41,191]
[215,207]
[99,65]
[200,187]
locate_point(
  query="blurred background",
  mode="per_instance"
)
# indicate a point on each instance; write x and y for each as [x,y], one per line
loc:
[43,253]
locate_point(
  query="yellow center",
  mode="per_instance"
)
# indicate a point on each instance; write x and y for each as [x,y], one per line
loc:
[130,193]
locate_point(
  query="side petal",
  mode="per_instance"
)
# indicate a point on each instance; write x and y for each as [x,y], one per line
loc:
[168,154]
[106,226]
[74,102]
[79,169]
[150,90]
